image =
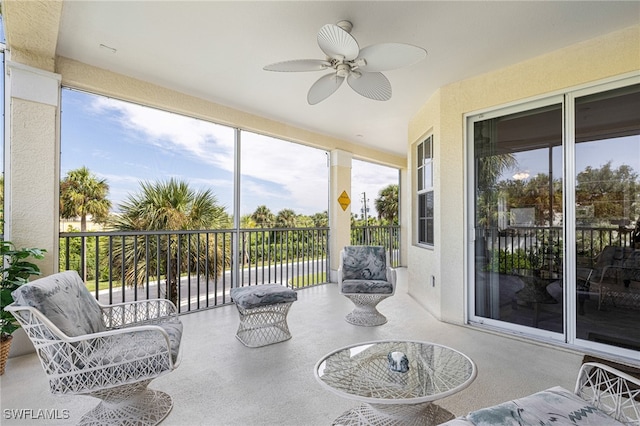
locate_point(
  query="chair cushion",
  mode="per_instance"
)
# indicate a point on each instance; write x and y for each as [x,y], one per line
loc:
[260,295]
[555,406]
[65,301]
[364,263]
[367,286]
[174,330]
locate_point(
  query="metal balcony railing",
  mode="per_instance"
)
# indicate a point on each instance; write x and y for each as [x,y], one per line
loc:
[386,236]
[540,247]
[195,269]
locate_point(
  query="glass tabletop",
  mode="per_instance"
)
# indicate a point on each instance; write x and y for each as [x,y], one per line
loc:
[399,371]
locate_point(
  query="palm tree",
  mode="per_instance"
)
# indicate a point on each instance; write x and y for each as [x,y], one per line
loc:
[170,206]
[82,194]
[387,203]
[320,219]
[263,217]
[286,218]
[246,222]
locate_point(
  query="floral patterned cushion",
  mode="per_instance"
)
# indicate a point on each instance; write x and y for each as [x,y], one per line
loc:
[261,295]
[65,301]
[555,406]
[367,286]
[364,263]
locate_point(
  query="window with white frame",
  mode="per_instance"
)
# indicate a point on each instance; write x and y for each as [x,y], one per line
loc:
[424,158]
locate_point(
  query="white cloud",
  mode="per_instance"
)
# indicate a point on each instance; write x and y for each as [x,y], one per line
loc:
[300,171]
[176,133]
[368,178]
[288,174]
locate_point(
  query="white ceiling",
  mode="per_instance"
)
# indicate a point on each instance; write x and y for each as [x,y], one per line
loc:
[216,50]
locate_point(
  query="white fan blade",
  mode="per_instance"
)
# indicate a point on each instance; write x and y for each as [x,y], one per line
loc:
[299,65]
[323,88]
[336,43]
[372,85]
[390,56]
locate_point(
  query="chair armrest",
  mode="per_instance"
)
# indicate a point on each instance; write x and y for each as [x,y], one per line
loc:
[33,321]
[610,390]
[140,312]
[391,276]
[101,354]
[599,276]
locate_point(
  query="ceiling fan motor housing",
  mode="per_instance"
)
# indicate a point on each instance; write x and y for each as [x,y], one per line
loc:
[343,70]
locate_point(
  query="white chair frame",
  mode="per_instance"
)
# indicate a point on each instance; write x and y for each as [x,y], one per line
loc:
[365,312]
[114,365]
[263,325]
[610,390]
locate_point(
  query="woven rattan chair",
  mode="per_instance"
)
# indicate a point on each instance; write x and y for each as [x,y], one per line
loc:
[615,277]
[603,395]
[108,352]
[365,277]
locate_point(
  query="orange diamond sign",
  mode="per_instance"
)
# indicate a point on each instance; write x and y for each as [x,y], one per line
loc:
[344,200]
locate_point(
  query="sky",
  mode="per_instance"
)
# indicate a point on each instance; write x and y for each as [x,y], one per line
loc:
[618,151]
[126,143]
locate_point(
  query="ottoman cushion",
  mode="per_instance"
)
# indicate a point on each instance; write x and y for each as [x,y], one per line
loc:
[261,295]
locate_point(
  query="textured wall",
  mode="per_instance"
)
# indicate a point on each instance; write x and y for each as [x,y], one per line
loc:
[423,262]
[33,191]
[608,56]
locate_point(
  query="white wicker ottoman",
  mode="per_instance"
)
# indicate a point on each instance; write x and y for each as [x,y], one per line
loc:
[263,313]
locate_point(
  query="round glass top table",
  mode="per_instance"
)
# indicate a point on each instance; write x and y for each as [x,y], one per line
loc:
[395,380]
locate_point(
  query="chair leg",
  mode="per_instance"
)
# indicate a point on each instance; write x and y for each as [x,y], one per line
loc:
[131,404]
[263,325]
[365,312]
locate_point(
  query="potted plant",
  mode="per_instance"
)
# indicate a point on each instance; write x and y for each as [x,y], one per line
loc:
[16,271]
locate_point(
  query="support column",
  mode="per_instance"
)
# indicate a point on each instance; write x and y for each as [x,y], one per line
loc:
[32,169]
[339,207]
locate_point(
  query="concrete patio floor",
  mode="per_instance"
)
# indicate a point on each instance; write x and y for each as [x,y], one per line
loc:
[222,382]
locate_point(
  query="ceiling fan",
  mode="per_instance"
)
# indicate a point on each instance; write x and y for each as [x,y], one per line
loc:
[361,68]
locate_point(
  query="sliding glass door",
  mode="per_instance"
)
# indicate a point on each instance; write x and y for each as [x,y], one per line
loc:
[555,211]
[518,216]
[607,210]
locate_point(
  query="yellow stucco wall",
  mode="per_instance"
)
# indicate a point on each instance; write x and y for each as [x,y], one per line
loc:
[423,262]
[31,163]
[339,218]
[612,55]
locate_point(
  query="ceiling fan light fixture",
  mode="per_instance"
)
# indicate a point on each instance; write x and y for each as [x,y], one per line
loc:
[361,68]
[343,70]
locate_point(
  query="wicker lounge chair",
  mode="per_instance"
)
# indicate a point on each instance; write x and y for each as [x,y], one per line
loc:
[366,278]
[108,352]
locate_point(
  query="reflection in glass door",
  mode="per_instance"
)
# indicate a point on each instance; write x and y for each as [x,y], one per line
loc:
[607,209]
[518,218]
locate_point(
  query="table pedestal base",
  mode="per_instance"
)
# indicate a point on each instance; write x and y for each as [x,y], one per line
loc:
[395,414]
